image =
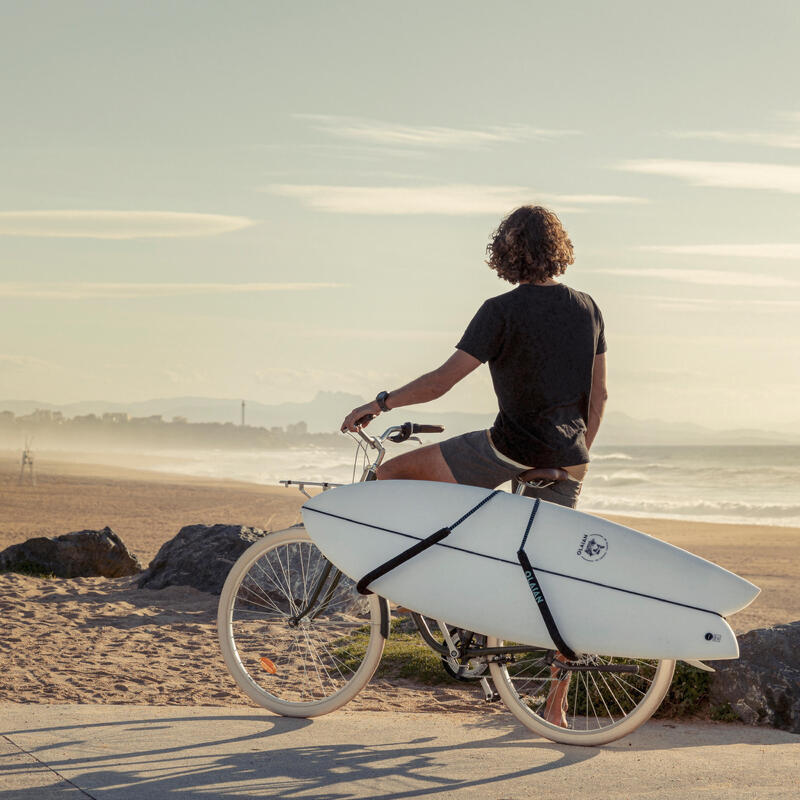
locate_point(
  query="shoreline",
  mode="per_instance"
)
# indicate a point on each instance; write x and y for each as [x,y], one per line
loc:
[125,465]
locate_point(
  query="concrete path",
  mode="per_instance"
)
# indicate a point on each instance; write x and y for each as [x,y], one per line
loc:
[138,752]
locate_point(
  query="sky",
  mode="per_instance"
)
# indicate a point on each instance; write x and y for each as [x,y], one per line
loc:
[268,199]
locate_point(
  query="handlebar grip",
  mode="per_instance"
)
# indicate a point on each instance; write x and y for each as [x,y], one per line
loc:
[365,419]
[427,428]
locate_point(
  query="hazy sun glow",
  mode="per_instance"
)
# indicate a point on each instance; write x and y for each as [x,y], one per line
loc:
[204,200]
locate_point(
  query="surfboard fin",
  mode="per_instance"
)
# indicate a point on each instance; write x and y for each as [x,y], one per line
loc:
[699,664]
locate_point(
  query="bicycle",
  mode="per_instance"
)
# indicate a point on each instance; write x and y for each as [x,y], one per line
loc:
[299,639]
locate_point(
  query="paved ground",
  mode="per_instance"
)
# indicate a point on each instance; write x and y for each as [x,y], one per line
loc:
[137,752]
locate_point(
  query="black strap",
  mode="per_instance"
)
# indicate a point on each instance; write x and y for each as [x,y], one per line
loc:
[400,558]
[538,594]
[416,549]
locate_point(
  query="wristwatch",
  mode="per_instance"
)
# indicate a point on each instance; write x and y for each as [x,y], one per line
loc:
[381,400]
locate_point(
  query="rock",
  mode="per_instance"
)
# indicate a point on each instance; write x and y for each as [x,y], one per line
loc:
[763,685]
[81,554]
[200,556]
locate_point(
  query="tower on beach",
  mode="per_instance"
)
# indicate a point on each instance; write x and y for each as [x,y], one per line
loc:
[242,413]
[27,461]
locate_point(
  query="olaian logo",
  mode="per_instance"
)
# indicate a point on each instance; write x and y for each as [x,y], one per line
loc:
[593,547]
[534,585]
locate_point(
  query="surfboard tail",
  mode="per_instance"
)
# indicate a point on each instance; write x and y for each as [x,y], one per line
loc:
[743,595]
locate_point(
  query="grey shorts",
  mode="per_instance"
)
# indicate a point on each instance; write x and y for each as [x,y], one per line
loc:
[473,461]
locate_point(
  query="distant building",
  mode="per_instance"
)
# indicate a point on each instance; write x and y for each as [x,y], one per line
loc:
[180,420]
[41,415]
[116,418]
[153,419]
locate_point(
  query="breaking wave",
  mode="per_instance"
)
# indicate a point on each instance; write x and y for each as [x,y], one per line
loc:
[622,477]
[729,511]
[611,457]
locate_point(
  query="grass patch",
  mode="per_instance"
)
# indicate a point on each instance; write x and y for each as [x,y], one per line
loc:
[688,693]
[405,655]
[724,713]
[30,569]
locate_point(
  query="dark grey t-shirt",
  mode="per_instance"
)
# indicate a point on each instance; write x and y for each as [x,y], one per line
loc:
[540,342]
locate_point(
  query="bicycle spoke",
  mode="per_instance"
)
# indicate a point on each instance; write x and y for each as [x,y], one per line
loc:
[600,705]
[286,663]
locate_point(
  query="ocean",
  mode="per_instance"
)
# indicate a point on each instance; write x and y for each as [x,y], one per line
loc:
[728,484]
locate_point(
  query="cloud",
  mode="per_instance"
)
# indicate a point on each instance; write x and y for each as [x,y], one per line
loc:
[97,291]
[706,277]
[452,199]
[764,138]
[716,304]
[726,174]
[403,335]
[117,224]
[17,363]
[787,250]
[391,134]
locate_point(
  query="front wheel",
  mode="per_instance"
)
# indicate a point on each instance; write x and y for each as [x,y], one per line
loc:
[295,634]
[595,706]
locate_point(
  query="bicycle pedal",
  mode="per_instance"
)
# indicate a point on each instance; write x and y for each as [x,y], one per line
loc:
[492,698]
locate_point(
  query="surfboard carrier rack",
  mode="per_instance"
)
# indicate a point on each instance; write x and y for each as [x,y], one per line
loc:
[301,485]
[505,655]
[555,661]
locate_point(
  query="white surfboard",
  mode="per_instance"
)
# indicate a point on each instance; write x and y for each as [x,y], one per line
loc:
[612,590]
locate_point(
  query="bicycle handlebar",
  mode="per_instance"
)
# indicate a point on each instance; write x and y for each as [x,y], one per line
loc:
[415,428]
[397,433]
[408,429]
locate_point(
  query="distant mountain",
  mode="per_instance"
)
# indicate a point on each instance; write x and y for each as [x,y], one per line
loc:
[620,429]
[326,410]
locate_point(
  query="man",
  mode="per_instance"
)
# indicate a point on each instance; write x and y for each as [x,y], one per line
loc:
[545,346]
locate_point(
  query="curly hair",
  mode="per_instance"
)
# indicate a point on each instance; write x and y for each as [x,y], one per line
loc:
[529,245]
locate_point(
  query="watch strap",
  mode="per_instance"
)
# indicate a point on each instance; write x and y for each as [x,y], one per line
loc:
[381,400]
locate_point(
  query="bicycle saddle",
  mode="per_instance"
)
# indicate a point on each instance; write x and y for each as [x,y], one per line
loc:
[543,474]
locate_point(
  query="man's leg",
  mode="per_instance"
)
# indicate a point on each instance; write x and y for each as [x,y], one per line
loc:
[423,464]
[563,493]
[556,704]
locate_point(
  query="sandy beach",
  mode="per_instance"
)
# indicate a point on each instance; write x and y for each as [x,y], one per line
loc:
[103,640]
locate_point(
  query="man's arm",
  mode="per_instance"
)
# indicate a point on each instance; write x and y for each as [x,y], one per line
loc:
[597,399]
[422,390]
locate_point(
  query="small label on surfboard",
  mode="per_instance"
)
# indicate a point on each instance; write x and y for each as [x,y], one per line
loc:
[593,547]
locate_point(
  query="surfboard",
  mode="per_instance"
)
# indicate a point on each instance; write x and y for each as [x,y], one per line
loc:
[611,589]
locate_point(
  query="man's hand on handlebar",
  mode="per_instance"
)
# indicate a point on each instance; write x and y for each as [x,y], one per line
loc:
[360,417]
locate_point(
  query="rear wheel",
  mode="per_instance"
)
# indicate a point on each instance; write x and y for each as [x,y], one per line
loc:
[598,706]
[297,667]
